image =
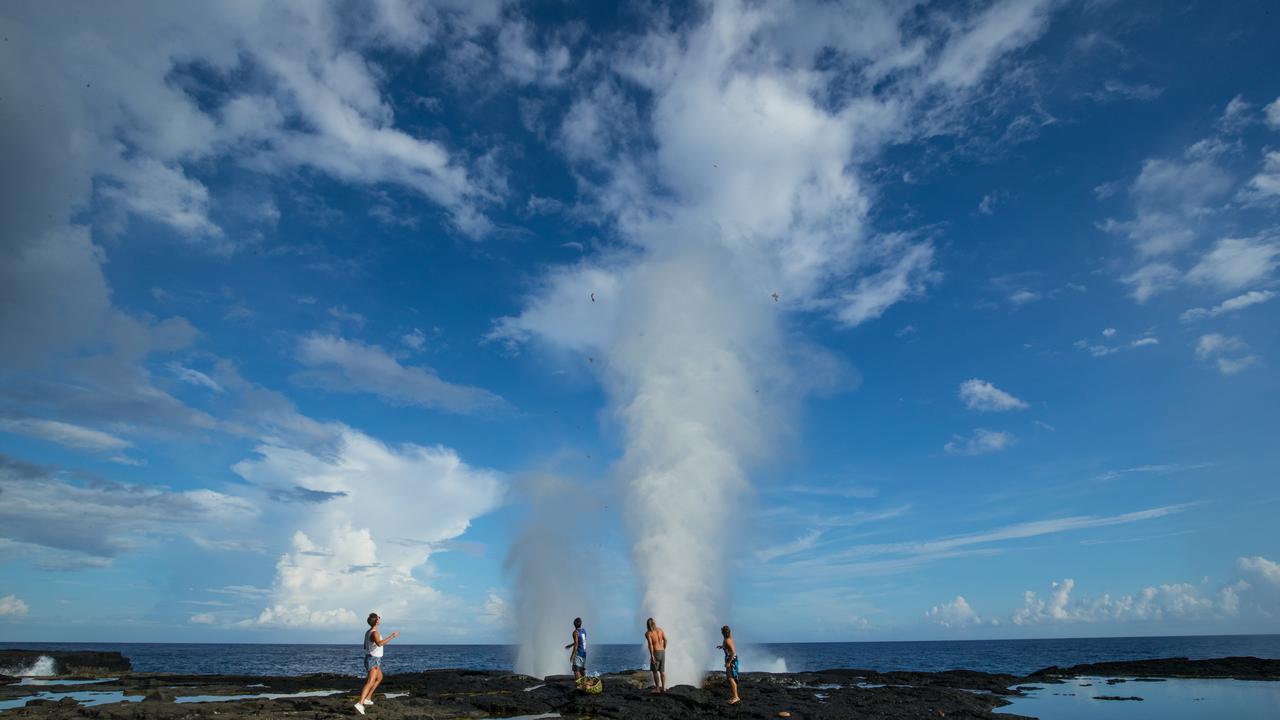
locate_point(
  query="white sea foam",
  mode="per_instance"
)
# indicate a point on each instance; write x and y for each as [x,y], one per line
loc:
[46,682]
[755,662]
[44,666]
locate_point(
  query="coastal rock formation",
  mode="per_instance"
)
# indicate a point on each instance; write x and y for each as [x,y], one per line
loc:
[63,662]
[446,694]
[1239,668]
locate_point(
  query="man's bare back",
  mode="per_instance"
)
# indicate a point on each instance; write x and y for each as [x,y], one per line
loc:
[657,639]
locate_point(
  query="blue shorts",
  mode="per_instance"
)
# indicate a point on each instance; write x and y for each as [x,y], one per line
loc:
[371,662]
[732,670]
[580,662]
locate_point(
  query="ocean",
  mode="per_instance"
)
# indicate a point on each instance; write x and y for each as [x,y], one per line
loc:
[1017,657]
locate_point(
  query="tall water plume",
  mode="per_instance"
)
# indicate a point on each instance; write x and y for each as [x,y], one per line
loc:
[690,378]
[550,568]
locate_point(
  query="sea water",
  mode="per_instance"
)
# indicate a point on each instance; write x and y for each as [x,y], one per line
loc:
[1015,657]
[85,698]
[1174,699]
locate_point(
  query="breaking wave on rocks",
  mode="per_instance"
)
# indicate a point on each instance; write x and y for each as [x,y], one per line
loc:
[44,666]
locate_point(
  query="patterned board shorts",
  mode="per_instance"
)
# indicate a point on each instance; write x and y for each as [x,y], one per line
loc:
[371,662]
[580,662]
[733,669]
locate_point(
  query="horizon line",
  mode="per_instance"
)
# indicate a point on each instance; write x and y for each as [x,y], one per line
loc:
[753,644]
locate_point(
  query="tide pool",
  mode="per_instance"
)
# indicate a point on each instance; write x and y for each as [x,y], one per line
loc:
[1173,699]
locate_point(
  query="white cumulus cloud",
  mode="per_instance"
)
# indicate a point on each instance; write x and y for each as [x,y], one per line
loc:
[1262,570]
[983,396]
[1155,603]
[957,614]
[12,606]
[366,545]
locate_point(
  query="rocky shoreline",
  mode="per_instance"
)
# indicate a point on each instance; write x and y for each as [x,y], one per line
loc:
[444,694]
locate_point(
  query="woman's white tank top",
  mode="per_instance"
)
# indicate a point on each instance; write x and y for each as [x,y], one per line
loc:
[371,647]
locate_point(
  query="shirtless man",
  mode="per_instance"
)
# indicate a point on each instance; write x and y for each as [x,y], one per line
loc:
[657,640]
[730,663]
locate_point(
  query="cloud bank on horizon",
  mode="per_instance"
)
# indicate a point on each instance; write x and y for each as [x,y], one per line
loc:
[833,311]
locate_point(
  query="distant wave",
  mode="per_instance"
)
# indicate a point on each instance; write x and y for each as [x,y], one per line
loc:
[44,666]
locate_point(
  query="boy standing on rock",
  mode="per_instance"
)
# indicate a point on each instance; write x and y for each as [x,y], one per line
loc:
[373,642]
[578,658]
[657,640]
[730,663]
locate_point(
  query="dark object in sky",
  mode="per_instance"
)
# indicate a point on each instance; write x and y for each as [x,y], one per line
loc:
[775,297]
[593,297]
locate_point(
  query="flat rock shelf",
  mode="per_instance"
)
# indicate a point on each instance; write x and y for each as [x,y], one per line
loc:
[443,694]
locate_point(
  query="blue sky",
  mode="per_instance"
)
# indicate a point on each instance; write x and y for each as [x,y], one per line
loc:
[887,321]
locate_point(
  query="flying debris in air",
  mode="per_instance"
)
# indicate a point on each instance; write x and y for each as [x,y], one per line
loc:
[775,297]
[593,297]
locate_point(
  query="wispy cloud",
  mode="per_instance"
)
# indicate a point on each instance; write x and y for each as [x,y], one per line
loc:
[195,377]
[1157,469]
[1235,263]
[1128,91]
[109,518]
[1239,302]
[245,591]
[983,396]
[1264,187]
[843,491]
[799,544]
[884,558]
[1030,529]
[65,434]
[981,442]
[1229,354]
[1113,345]
[344,365]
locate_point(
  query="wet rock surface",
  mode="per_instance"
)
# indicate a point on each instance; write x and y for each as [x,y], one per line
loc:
[1239,668]
[450,694]
[67,662]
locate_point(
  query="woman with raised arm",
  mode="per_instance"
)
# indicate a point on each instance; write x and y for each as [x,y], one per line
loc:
[373,642]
